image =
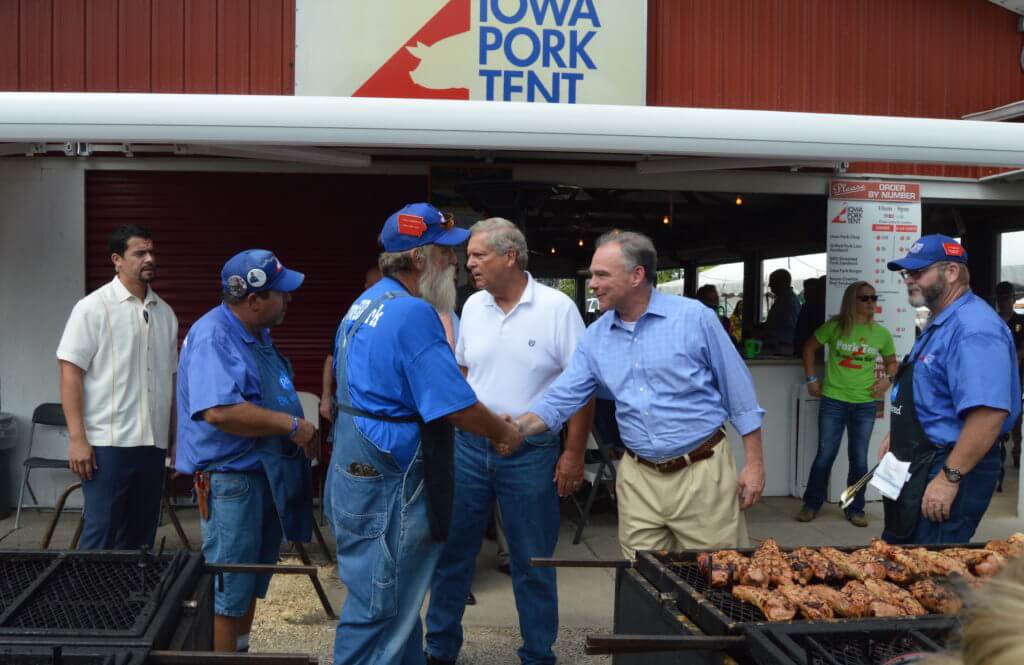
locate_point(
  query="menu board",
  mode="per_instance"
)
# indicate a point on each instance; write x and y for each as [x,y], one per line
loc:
[870,224]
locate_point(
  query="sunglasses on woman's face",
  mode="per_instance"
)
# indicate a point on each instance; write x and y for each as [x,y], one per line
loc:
[868,298]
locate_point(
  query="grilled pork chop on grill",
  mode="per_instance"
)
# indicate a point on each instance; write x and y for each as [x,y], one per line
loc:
[811,605]
[894,595]
[844,605]
[901,556]
[773,605]
[938,563]
[845,563]
[769,559]
[880,568]
[823,569]
[723,567]
[859,594]
[935,597]
[800,567]
[984,563]
[1010,548]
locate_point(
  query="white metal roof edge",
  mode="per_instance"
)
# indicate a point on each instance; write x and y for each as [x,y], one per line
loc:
[367,123]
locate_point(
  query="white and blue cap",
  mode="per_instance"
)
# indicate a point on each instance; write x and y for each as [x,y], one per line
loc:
[255,271]
[928,250]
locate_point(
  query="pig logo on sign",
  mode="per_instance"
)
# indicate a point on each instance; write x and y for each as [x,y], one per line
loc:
[446,64]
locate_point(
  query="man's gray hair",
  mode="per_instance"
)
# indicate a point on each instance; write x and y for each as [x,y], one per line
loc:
[637,250]
[392,263]
[503,235]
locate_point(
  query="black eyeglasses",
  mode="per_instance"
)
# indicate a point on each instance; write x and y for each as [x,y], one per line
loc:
[868,298]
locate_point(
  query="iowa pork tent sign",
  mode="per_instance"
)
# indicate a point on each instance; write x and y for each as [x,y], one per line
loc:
[548,51]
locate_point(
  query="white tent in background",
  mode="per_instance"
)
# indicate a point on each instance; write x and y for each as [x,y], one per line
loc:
[728,277]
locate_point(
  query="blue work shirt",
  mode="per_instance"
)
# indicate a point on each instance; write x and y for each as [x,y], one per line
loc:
[399,365]
[965,358]
[217,367]
[675,378]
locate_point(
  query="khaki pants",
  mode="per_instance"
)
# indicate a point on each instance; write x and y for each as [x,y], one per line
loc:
[695,508]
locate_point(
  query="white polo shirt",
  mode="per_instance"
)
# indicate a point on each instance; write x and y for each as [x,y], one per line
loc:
[512,358]
[129,360]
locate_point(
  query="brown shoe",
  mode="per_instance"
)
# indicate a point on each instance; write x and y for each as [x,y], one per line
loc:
[858,520]
[806,514]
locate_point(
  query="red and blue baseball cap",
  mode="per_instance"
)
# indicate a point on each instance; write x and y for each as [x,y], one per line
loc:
[419,224]
[255,271]
[928,250]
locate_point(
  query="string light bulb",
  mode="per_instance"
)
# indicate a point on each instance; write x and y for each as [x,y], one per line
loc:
[552,250]
[665,220]
[581,242]
[739,200]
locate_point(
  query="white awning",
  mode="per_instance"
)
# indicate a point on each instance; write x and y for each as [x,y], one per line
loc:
[362,125]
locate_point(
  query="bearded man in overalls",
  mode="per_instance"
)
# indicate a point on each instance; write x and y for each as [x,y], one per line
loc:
[391,479]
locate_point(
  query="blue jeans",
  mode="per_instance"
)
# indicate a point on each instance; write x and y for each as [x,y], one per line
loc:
[386,554]
[970,504]
[833,417]
[122,501]
[243,528]
[528,499]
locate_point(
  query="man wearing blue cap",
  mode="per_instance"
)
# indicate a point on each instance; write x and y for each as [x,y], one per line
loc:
[955,394]
[242,435]
[391,478]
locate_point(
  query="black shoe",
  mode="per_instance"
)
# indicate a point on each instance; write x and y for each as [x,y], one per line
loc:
[471,599]
[505,568]
[431,660]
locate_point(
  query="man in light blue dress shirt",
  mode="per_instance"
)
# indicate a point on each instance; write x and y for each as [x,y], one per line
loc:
[676,379]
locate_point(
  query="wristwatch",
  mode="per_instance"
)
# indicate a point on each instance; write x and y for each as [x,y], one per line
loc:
[811,379]
[952,475]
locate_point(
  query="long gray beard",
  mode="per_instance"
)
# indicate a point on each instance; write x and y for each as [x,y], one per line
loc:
[437,287]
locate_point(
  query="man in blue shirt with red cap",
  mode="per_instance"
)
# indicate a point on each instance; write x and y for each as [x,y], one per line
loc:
[955,394]
[242,435]
[390,484]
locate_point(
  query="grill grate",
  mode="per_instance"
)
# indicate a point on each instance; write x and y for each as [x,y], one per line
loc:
[729,605]
[94,595]
[867,648]
[16,574]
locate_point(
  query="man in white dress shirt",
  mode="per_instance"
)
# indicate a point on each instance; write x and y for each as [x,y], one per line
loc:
[515,338]
[118,356]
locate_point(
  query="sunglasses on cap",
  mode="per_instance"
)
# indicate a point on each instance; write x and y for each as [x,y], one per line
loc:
[873,298]
[448,222]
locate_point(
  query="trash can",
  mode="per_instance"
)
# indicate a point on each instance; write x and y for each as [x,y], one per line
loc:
[8,440]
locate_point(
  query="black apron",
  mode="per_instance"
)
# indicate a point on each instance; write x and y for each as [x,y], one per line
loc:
[437,438]
[908,443]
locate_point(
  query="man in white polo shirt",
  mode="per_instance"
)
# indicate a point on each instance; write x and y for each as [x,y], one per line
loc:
[117,359]
[515,338]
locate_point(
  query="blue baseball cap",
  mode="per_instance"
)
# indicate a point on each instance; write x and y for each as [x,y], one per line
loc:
[419,224]
[929,250]
[255,271]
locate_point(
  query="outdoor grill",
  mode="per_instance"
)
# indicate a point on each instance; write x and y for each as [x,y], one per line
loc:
[718,612]
[114,608]
[666,611]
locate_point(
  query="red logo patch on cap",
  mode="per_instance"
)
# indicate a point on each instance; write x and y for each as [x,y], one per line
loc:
[411,225]
[952,249]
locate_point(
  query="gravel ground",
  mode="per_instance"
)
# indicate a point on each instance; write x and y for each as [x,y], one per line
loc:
[291,619]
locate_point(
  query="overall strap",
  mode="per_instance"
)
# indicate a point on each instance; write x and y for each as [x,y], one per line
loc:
[342,364]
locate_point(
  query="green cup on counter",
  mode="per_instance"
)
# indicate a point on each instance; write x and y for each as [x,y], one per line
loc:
[751,348]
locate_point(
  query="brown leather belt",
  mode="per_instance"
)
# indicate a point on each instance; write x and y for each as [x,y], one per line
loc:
[701,452]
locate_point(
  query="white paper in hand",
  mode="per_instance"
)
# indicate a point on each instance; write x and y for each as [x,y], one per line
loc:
[890,476]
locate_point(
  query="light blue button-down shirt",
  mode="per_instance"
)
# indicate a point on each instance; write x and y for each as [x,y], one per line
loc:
[675,378]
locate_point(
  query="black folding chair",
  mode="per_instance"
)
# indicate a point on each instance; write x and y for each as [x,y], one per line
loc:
[47,415]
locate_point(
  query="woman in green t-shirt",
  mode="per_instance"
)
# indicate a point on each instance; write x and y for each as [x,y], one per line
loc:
[855,342]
